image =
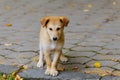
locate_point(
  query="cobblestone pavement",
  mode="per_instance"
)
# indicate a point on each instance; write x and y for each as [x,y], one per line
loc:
[93,36]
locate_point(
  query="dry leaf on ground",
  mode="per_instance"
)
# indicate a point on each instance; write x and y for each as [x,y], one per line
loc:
[8,25]
[61,69]
[100,72]
[8,44]
[7,7]
[86,10]
[90,5]
[116,73]
[114,2]
[75,68]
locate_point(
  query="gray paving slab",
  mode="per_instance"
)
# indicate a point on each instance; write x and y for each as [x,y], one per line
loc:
[69,75]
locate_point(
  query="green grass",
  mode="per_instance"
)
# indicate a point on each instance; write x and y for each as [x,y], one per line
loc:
[6,76]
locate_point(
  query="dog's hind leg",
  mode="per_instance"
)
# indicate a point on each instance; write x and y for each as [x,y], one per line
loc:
[63,58]
[41,61]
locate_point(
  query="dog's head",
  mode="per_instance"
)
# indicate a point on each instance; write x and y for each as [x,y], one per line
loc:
[54,26]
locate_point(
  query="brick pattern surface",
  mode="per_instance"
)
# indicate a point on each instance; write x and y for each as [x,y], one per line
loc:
[93,35]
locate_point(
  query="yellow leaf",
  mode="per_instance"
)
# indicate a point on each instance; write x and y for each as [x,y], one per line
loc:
[97,64]
[8,25]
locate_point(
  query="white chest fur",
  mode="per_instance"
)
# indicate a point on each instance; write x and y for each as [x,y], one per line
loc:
[53,46]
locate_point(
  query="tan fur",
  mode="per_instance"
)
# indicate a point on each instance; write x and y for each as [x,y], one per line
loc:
[51,42]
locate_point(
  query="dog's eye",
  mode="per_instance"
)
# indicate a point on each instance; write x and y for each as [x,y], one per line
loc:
[58,29]
[50,29]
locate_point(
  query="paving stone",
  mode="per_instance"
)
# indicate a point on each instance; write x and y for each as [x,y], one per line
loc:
[110,52]
[79,48]
[15,62]
[107,68]
[5,52]
[106,57]
[78,54]
[64,51]
[27,48]
[7,68]
[27,54]
[21,55]
[72,41]
[74,36]
[78,60]
[113,45]
[2,58]
[92,43]
[68,46]
[117,66]
[39,74]
[110,78]
[110,30]
[32,64]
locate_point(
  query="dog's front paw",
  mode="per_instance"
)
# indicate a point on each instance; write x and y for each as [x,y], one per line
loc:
[54,72]
[47,72]
[40,64]
[63,58]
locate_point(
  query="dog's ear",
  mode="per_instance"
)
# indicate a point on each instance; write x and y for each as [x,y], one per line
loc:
[64,20]
[44,21]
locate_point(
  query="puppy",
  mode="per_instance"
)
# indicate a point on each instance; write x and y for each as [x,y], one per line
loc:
[51,42]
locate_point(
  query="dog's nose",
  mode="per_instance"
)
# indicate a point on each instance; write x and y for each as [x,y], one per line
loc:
[54,38]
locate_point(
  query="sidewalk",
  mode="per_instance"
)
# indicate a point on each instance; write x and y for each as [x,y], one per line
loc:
[93,35]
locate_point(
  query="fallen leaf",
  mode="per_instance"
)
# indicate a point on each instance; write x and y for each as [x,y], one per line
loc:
[7,7]
[8,25]
[72,5]
[100,72]
[35,58]
[114,3]
[1,62]
[8,44]
[75,68]
[116,60]
[17,77]
[4,76]
[87,66]
[86,10]
[90,5]
[88,72]
[25,66]
[61,69]
[97,64]
[116,73]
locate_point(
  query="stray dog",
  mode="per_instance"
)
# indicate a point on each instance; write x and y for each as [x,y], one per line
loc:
[51,42]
